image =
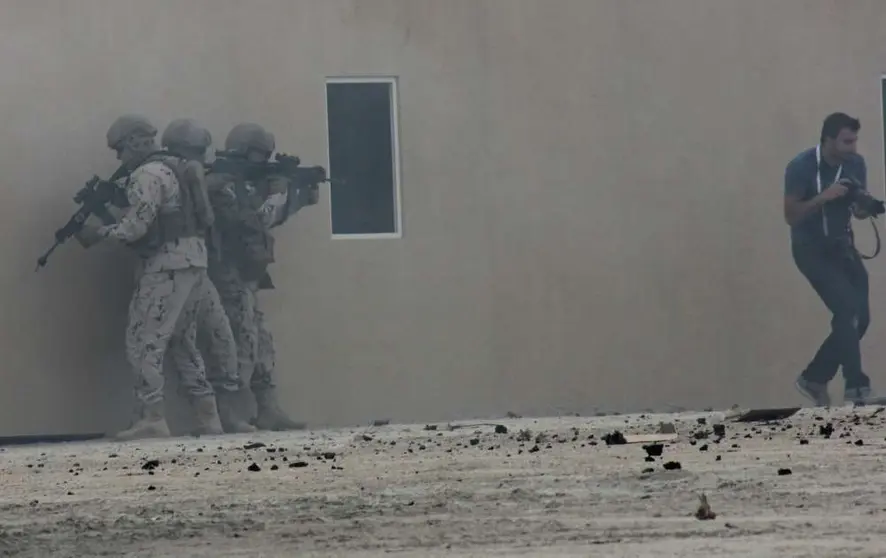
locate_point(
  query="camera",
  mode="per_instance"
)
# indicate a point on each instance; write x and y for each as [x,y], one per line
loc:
[862,199]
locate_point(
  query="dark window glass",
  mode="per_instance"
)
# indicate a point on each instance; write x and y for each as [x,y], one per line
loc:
[361,152]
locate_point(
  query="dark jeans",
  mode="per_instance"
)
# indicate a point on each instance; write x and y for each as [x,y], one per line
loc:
[841,281]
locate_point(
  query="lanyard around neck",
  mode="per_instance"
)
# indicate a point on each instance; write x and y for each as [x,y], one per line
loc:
[824,217]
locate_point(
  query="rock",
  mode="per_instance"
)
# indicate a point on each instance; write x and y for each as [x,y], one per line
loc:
[783,472]
[501,429]
[667,428]
[720,430]
[150,465]
[297,464]
[654,450]
[254,468]
[616,438]
[254,445]
[704,511]
[672,466]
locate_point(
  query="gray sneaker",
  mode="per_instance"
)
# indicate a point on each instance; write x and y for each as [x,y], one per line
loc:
[857,396]
[817,393]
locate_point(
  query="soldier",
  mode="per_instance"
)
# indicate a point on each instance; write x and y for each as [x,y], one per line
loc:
[245,212]
[165,228]
[184,137]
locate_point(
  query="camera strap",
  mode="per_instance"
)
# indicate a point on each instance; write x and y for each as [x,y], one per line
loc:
[824,219]
[824,216]
[877,237]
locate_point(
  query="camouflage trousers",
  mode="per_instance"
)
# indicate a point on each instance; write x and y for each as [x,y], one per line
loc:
[163,315]
[255,344]
[211,325]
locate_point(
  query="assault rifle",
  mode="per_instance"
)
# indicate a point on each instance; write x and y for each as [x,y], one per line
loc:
[93,199]
[301,179]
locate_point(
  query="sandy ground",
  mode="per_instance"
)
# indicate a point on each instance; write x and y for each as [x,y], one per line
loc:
[403,490]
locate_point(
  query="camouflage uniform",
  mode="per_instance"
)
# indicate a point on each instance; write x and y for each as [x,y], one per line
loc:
[255,343]
[210,323]
[172,276]
[245,212]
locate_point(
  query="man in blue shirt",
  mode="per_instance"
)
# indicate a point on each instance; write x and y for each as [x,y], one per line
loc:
[819,186]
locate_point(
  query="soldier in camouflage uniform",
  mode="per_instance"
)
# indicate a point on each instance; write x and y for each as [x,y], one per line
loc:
[245,212]
[186,138]
[165,227]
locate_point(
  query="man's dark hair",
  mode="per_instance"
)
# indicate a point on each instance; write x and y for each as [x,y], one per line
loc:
[837,121]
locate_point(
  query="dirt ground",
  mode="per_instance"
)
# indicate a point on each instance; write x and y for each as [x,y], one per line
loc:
[403,490]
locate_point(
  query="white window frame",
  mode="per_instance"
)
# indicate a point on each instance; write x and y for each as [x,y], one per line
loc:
[883,131]
[395,137]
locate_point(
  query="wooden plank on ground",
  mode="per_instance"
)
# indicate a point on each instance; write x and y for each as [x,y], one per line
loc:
[649,438]
[763,415]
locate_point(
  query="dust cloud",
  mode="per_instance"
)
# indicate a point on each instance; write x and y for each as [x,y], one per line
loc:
[591,216]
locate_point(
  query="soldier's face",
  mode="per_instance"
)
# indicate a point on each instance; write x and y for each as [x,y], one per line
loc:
[255,156]
[133,149]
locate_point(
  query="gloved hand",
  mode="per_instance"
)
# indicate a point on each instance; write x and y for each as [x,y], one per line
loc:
[277,185]
[89,235]
[309,196]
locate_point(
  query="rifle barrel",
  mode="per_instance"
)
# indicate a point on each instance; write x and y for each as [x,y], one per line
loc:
[41,261]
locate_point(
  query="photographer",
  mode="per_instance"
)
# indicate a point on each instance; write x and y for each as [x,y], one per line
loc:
[825,186]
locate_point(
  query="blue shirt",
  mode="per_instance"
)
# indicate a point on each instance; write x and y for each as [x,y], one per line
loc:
[800,181]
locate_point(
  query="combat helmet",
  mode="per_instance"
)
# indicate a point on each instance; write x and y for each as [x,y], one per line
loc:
[127,125]
[186,133]
[248,135]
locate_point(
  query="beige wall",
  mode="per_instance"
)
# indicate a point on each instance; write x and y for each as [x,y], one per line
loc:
[591,195]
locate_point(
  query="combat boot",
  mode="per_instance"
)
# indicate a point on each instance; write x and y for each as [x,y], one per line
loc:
[152,424]
[270,415]
[207,422]
[229,413]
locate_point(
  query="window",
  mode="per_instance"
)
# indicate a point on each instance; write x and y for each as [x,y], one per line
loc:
[883,117]
[361,119]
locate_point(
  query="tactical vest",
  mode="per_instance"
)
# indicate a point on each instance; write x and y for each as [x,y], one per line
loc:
[246,242]
[192,218]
